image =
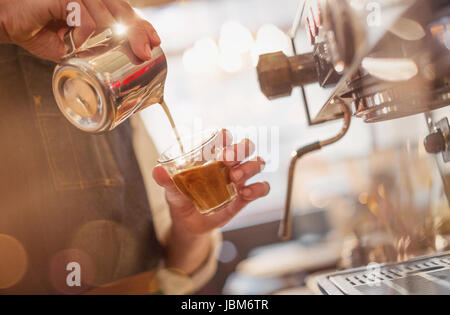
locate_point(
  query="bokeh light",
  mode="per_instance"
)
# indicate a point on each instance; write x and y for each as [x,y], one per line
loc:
[59,272]
[228,252]
[13,261]
[113,243]
[235,38]
[202,58]
[230,62]
[270,39]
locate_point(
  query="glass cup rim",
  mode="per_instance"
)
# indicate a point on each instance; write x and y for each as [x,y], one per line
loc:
[214,132]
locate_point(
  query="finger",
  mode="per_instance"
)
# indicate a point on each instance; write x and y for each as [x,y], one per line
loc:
[50,36]
[72,12]
[241,173]
[212,149]
[225,138]
[62,32]
[39,44]
[163,179]
[121,10]
[141,35]
[254,191]
[151,32]
[87,24]
[100,13]
[174,197]
[238,152]
[140,42]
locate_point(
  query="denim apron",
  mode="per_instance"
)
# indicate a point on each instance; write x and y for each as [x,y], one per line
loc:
[74,214]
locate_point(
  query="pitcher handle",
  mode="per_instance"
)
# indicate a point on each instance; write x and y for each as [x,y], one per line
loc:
[93,41]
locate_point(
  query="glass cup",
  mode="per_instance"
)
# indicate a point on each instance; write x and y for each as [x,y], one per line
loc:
[196,166]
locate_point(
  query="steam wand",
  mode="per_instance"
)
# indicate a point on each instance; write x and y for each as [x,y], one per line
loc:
[285,230]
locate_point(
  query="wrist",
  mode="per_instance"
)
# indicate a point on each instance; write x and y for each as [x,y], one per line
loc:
[185,251]
[187,241]
[179,231]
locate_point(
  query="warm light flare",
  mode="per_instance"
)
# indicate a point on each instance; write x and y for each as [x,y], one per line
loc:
[120,29]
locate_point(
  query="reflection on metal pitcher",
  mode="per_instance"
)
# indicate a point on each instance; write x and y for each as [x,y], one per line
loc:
[102,83]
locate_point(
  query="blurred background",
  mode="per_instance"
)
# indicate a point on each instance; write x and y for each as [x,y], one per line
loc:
[341,194]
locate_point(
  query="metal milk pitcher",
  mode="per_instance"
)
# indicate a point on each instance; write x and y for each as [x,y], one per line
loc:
[100,84]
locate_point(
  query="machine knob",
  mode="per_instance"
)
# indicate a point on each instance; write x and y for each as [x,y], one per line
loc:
[278,74]
[435,143]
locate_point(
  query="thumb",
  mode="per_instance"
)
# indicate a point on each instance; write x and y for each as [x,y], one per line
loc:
[173,196]
[40,43]
[162,178]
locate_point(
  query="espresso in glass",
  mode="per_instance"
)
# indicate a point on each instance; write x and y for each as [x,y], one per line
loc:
[197,169]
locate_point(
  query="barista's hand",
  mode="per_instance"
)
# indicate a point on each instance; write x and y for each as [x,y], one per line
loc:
[190,229]
[183,210]
[39,25]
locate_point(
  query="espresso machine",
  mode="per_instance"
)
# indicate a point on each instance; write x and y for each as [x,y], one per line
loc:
[382,60]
